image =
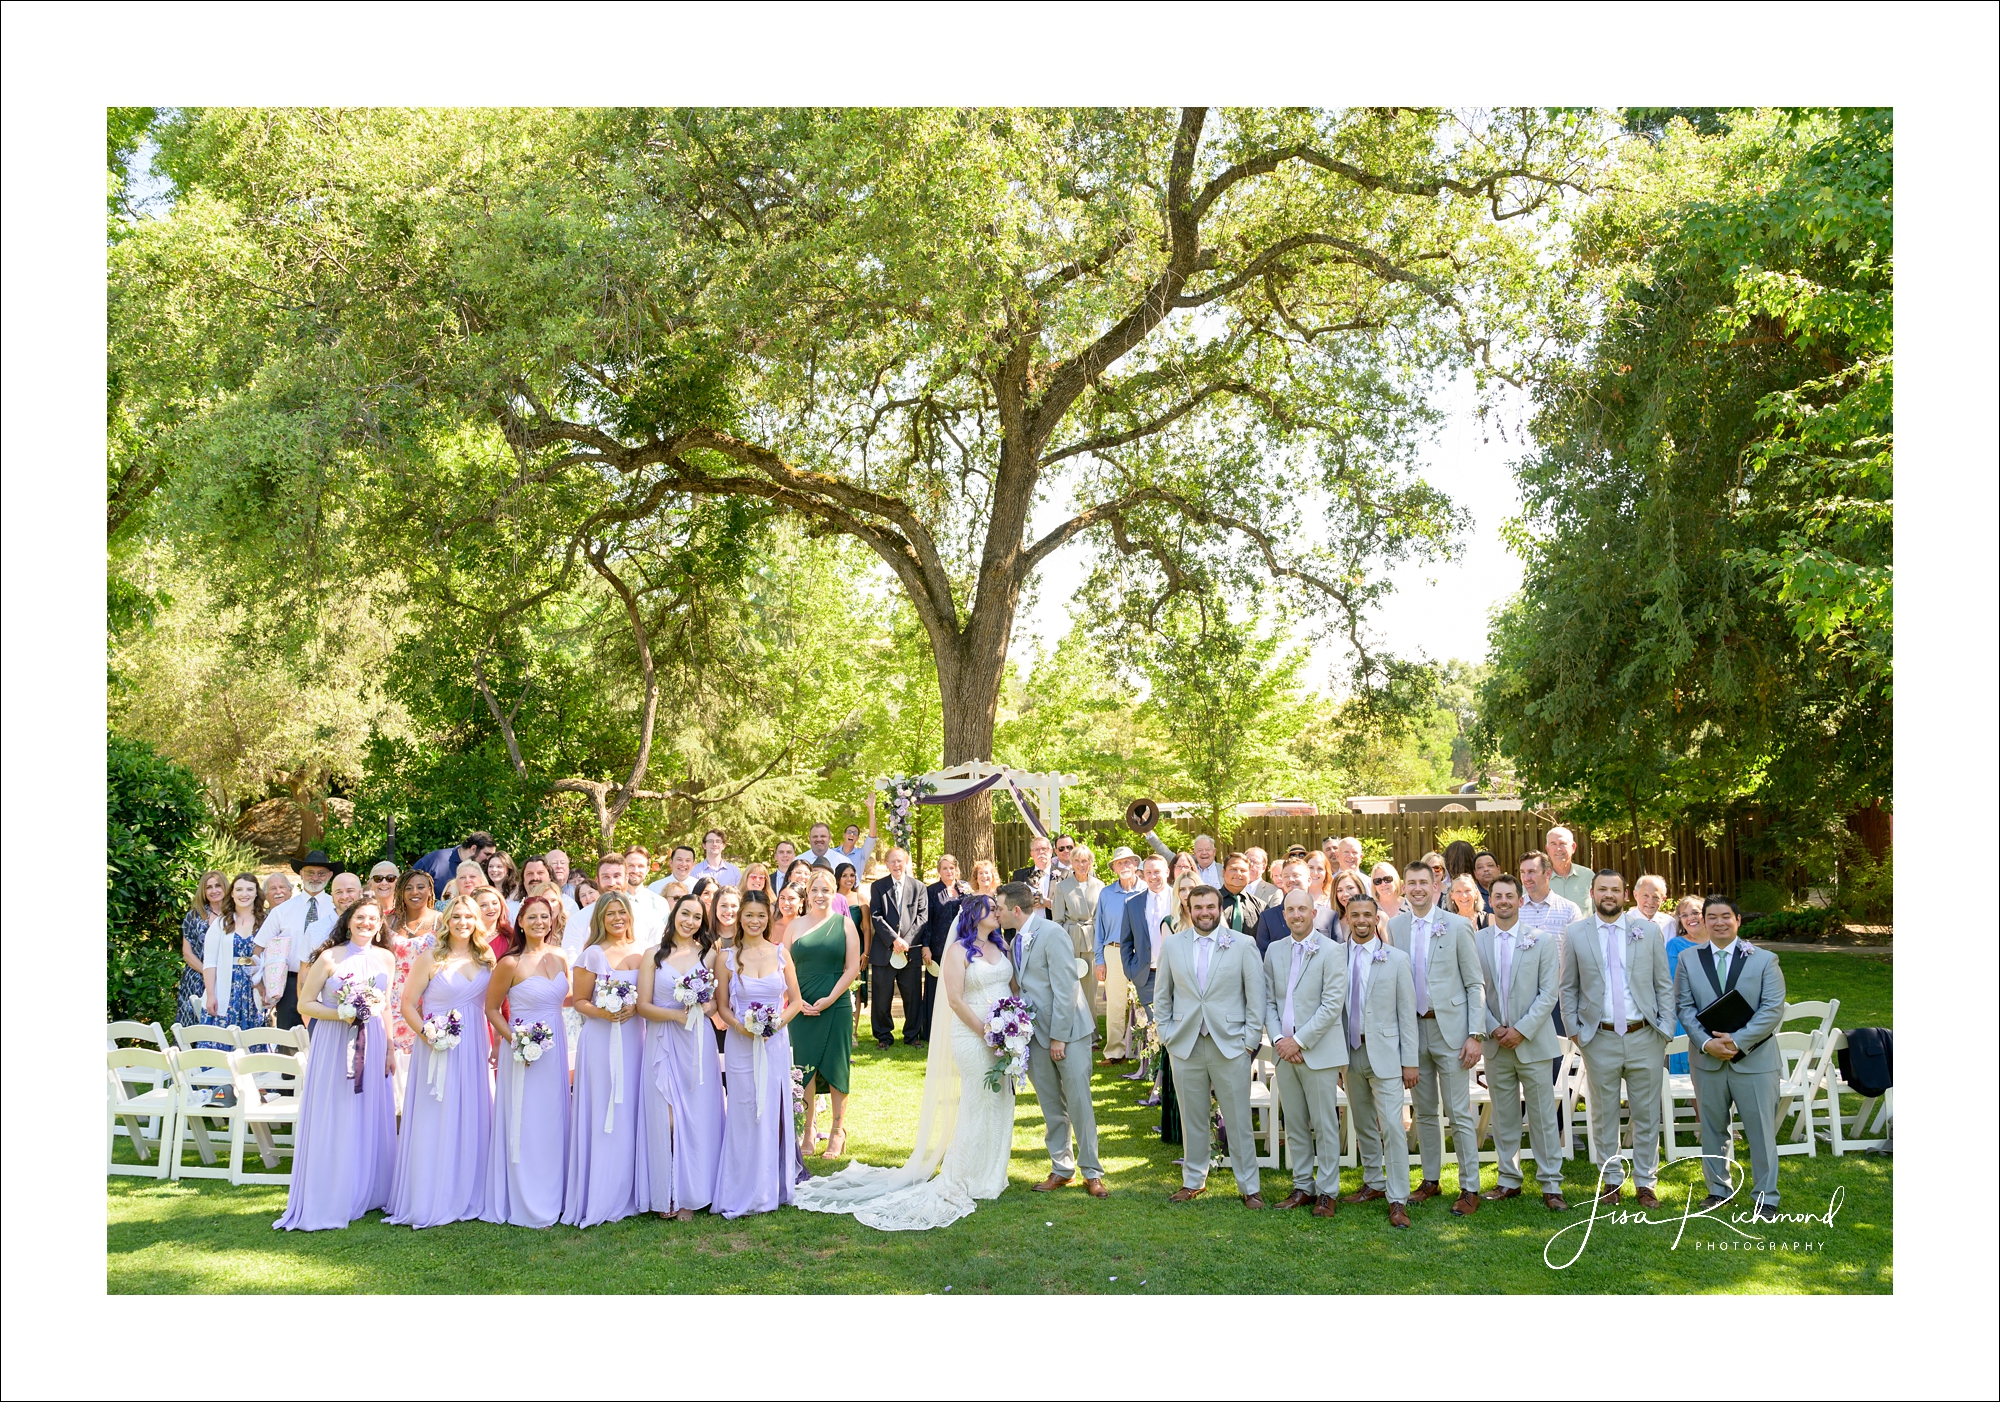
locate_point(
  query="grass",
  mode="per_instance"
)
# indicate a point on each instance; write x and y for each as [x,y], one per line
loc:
[207,1237]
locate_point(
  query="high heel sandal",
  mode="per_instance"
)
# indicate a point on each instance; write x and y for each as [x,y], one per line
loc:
[836,1143]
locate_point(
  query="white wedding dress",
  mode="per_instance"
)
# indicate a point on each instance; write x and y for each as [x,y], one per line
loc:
[965,1133]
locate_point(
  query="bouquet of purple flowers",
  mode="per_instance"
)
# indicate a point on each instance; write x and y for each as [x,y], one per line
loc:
[531,1040]
[1010,1028]
[760,1020]
[695,987]
[442,1030]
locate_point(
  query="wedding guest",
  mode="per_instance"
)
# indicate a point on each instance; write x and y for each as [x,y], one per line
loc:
[1346,857]
[1547,911]
[1388,892]
[1458,858]
[346,1129]
[782,857]
[1733,1070]
[847,897]
[1523,982]
[1185,874]
[942,897]
[1683,923]
[448,1109]
[649,908]
[1147,919]
[1382,1056]
[1210,1004]
[1041,865]
[985,878]
[703,890]
[1619,998]
[1649,892]
[1439,883]
[211,902]
[713,864]
[1466,901]
[757,878]
[559,872]
[529,1152]
[1207,870]
[501,876]
[1074,907]
[1450,990]
[1271,924]
[1568,880]
[1316,880]
[680,867]
[759,1156]
[1109,922]
[304,920]
[1689,931]
[1485,866]
[230,986]
[796,874]
[853,847]
[1305,993]
[722,916]
[493,920]
[443,864]
[1266,892]
[1346,886]
[382,879]
[413,929]
[825,958]
[897,912]
[277,890]
[534,872]
[1240,909]
[586,893]
[610,875]
[469,877]
[345,890]
[607,1171]
[683,1081]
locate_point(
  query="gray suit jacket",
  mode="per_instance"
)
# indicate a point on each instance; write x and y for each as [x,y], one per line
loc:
[1452,976]
[1264,893]
[1232,1004]
[1762,982]
[1047,974]
[1583,1001]
[1533,988]
[1388,1012]
[1318,1004]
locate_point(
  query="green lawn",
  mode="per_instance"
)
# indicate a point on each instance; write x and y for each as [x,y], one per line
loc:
[208,1237]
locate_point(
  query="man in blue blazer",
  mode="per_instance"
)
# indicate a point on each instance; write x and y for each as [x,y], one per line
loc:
[1740,1068]
[1140,937]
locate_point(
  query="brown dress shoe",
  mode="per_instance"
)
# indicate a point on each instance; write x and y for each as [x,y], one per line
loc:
[1254,1201]
[1187,1195]
[1500,1194]
[1299,1198]
[1050,1184]
[1467,1204]
[1326,1206]
[1365,1194]
[1646,1197]
[1555,1202]
[1397,1216]
[1609,1197]
[1426,1190]
[1095,1187]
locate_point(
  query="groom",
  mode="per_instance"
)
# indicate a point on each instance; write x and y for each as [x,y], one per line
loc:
[1059,1057]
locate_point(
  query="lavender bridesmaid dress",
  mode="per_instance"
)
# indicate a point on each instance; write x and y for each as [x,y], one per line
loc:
[447,1111]
[759,1155]
[683,1109]
[530,1150]
[606,1177]
[346,1139]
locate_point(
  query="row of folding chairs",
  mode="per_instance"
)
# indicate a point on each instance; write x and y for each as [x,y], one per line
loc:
[197,1085]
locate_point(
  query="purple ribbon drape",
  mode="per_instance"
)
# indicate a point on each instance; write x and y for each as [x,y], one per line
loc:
[1027,808]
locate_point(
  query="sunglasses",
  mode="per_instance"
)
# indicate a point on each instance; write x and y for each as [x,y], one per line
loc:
[1385,881]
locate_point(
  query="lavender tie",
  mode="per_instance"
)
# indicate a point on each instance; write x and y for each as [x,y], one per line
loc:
[1202,948]
[1420,941]
[1503,947]
[1354,962]
[1614,984]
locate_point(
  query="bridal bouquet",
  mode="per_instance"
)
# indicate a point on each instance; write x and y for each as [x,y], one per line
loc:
[531,1040]
[1010,1028]
[760,1020]
[613,996]
[442,1030]
[357,999]
[695,987]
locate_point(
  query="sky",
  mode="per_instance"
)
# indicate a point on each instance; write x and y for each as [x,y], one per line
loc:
[1440,609]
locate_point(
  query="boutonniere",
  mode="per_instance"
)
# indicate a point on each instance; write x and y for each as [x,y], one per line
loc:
[1633,932]
[1526,942]
[1311,946]
[1224,939]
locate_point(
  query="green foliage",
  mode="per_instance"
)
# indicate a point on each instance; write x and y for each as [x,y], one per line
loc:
[1446,836]
[1705,621]
[437,797]
[1806,925]
[155,826]
[1762,897]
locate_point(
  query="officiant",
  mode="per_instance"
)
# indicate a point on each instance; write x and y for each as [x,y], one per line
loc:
[1728,983]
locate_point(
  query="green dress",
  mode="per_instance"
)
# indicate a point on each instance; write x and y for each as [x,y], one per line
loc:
[823,1046]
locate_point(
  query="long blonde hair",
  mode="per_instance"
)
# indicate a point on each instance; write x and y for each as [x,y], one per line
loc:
[482,948]
[602,904]
[200,906]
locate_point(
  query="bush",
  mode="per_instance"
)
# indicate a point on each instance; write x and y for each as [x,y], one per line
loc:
[156,823]
[1761,898]
[1806,925]
[437,799]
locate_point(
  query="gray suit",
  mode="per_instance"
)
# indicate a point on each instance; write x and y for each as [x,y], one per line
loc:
[1047,973]
[1374,1074]
[1639,1057]
[1209,1030]
[1309,1093]
[1455,988]
[1750,1082]
[1533,987]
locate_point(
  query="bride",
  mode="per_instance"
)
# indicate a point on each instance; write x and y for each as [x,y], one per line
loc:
[965,1131]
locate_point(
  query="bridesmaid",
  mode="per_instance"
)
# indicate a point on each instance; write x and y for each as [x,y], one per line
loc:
[448,1103]
[606,1175]
[683,1090]
[759,1156]
[530,1149]
[346,1155]
[825,955]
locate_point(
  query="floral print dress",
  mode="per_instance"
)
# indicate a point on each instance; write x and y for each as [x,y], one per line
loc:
[406,949]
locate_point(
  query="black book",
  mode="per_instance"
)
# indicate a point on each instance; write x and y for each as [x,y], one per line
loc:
[1729,1013]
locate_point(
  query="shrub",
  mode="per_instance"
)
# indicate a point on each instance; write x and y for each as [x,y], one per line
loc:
[156,821]
[1761,898]
[437,798]
[1810,924]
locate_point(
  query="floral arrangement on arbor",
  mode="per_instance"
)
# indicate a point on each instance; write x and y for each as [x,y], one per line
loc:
[904,791]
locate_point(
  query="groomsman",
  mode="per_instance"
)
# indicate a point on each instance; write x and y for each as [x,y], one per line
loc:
[943,896]
[1451,1013]
[1209,1005]
[1382,1053]
[1059,1054]
[1523,982]
[1305,992]
[1741,1068]
[1618,1001]
[899,911]
[1290,876]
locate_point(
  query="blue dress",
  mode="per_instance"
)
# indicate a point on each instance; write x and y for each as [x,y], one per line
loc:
[1677,1064]
[242,1010]
[192,989]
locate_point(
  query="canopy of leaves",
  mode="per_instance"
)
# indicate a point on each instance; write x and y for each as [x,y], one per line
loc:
[155,818]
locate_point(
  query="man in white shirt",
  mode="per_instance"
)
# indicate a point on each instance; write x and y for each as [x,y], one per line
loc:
[1266,893]
[1207,870]
[1345,856]
[680,867]
[345,888]
[576,933]
[304,922]
[649,909]
[1545,910]
[1041,867]
[853,847]
[818,838]
[713,865]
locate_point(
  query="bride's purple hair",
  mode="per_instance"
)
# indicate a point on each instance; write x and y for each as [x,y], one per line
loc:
[971,911]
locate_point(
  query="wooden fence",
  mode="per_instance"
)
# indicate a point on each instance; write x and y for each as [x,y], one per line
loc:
[1689,865]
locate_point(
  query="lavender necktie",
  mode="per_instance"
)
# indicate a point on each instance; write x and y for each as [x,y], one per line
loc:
[1420,942]
[1614,983]
[1355,960]
[1503,955]
[1202,949]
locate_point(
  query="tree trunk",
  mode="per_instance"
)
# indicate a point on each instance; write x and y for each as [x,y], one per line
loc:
[969,692]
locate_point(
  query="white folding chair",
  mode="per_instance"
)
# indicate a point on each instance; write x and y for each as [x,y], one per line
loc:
[1800,1091]
[200,1074]
[1572,1085]
[1872,1124]
[288,1042]
[1821,1014]
[219,1038]
[269,1091]
[149,1036]
[1265,1109]
[1676,1091]
[138,1085]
